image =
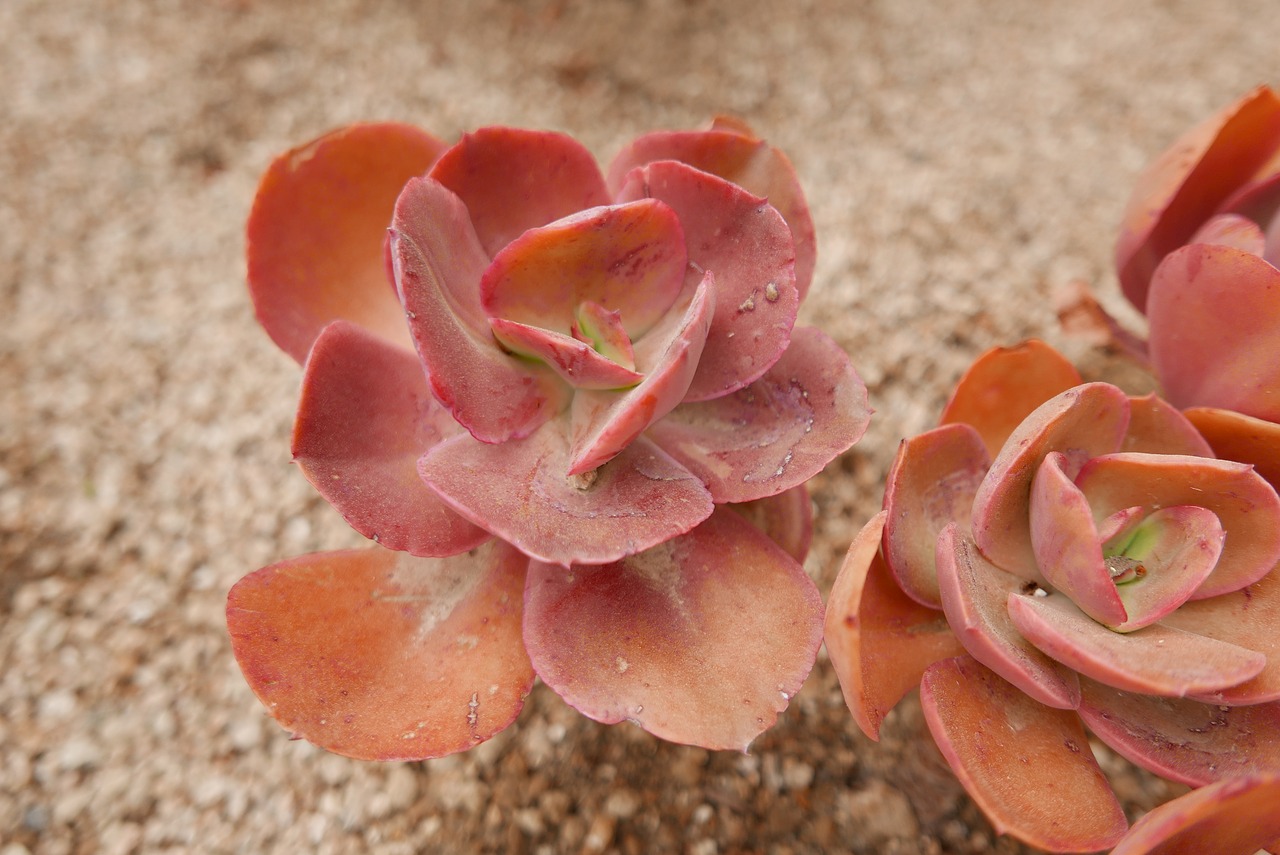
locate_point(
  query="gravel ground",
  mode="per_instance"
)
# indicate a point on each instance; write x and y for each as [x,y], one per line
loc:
[963,160]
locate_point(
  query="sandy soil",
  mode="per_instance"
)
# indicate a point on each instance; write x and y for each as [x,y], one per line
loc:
[963,160]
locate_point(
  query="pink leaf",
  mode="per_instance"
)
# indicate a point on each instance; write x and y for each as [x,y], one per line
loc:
[1155,660]
[603,328]
[744,242]
[1235,816]
[777,432]
[522,492]
[1082,422]
[1027,766]
[1215,320]
[576,362]
[1004,386]
[732,152]
[438,264]
[314,237]
[787,519]
[701,640]
[365,417]
[628,258]
[1248,617]
[1157,427]
[975,595]
[380,656]
[1232,230]
[1245,504]
[1242,438]
[1190,181]
[1181,739]
[880,640]
[931,483]
[604,423]
[511,180]
[1163,561]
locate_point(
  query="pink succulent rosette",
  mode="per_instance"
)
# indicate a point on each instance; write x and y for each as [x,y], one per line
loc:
[1058,556]
[574,413]
[1198,254]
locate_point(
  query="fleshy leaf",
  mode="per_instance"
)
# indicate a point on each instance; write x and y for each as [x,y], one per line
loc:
[1245,504]
[1235,436]
[365,417]
[700,640]
[315,234]
[732,152]
[745,243]
[604,423]
[1164,559]
[1214,314]
[777,432]
[1155,660]
[1083,422]
[880,640]
[577,362]
[1004,386]
[1028,767]
[1068,551]
[1181,739]
[438,263]
[932,482]
[1234,816]
[1248,617]
[512,179]
[1188,183]
[603,328]
[637,500]
[381,656]
[1157,427]
[1232,230]
[975,594]
[787,519]
[629,258]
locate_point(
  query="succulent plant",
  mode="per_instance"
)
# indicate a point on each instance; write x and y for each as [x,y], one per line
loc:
[1235,816]
[1197,254]
[574,414]
[1059,555]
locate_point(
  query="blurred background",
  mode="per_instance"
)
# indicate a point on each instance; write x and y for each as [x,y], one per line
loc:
[965,162]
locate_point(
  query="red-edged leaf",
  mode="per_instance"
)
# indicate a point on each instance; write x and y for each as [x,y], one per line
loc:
[702,640]
[777,432]
[1245,504]
[1242,438]
[438,263]
[1026,765]
[880,640]
[1250,618]
[975,595]
[603,328]
[315,234]
[1068,551]
[1157,427]
[931,483]
[1190,181]
[786,518]
[511,179]
[577,362]
[381,656]
[1004,386]
[1215,322]
[1082,422]
[1154,660]
[745,243]
[731,151]
[522,492]
[604,423]
[1175,550]
[1181,739]
[365,417]
[627,258]
[1236,816]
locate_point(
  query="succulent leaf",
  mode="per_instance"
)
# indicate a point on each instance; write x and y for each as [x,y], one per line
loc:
[1158,427]
[1232,230]
[787,519]
[1235,436]
[702,639]
[1234,816]
[576,362]
[381,656]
